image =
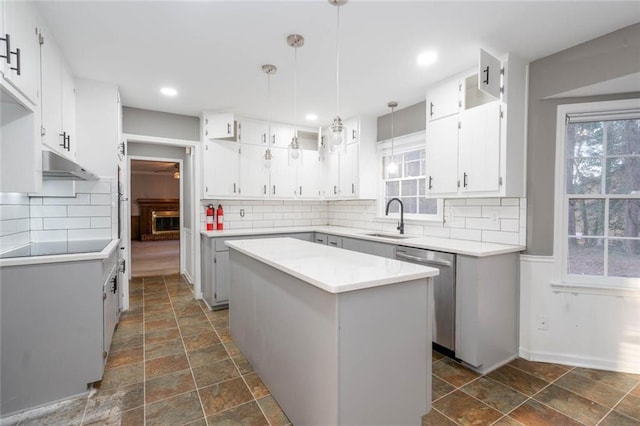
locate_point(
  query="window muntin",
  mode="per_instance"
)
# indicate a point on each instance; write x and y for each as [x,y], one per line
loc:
[601,199]
[408,184]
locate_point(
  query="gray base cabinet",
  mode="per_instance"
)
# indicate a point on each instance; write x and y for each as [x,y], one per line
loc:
[56,326]
[487,310]
[214,264]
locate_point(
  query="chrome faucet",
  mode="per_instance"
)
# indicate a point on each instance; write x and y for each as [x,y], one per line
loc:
[401,223]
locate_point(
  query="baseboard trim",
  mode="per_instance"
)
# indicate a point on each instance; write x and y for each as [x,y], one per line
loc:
[581,361]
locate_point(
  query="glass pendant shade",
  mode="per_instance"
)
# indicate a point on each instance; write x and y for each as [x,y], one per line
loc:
[337,132]
[267,159]
[392,167]
[295,152]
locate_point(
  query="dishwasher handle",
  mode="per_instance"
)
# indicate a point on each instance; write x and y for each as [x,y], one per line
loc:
[403,255]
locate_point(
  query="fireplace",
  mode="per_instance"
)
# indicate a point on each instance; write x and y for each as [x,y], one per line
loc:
[159,219]
[165,221]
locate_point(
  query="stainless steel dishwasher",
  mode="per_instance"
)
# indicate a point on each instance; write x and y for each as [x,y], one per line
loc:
[444,293]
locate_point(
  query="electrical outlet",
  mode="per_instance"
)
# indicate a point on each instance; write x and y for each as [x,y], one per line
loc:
[543,322]
[494,216]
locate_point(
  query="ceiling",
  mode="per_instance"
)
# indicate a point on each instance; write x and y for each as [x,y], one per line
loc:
[212,51]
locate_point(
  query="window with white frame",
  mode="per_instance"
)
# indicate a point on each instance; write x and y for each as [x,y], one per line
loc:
[406,179]
[598,194]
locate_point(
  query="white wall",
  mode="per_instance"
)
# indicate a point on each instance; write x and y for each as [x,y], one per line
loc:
[589,330]
[14,221]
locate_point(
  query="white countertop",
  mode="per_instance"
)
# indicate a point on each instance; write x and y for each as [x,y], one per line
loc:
[71,257]
[331,269]
[464,247]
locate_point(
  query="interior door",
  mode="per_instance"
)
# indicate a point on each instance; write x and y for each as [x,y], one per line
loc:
[124,252]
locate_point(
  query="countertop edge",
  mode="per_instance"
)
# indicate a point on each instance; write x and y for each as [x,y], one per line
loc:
[359,285]
[72,257]
[417,241]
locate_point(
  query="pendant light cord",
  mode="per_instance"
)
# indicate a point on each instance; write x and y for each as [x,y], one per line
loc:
[295,92]
[338,62]
[392,132]
[268,109]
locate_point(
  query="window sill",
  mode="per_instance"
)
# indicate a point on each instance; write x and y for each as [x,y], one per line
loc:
[595,289]
[410,221]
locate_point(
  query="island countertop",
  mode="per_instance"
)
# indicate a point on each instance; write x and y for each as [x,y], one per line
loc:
[331,269]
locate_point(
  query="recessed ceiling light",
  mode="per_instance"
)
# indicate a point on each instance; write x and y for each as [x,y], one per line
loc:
[427,58]
[311,117]
[168,91]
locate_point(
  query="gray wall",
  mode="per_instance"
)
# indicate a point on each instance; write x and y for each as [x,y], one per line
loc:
[137,121]
[406,120]
[607,57]
[163,151]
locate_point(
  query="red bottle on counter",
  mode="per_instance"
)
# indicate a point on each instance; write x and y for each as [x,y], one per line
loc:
[210,217]
[219,218]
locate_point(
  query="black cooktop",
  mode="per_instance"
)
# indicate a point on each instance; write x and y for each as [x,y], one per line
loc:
[57,247]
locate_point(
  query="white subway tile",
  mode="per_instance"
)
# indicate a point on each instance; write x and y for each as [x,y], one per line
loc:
[48,211]
[14,211]
[483,201]
[101,199]
[510,225]
[263,209]
[79,199]
[13,198]
[455,202]
[319,222]
[89,211]
[500,237]
[467,211]
[465,234]
[273,202]
[272,216]
[483,223]
[259,224]
[89,234]
[35,201]
[506,212]
[522,237]
[292,215]
[51,235]
[455,222]
[66,223]
[511,201]
[13,241]
[281,223]
[35,223]
[58,188]
[302,222]
[100,222]
[302,208]
[283,208]
[14,226]
[430,231]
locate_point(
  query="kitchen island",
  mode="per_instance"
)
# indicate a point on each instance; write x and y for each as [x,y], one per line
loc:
[338,337]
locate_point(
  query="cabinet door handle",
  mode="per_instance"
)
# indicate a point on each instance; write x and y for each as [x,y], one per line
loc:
[68,143]
[7,42]
[300,189]
[353,135]
[234,187]
[274,190]
[273,139]
[353,188]
[17,67]
[64,140]
[464,179]
[430,181]
[228,128]
[486,75]
[335,190]
[430,109]
[264,138]
[264,190]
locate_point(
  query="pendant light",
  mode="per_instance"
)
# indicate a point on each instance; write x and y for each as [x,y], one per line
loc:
[268,69]
[392,167]
[295,152]
[337,128]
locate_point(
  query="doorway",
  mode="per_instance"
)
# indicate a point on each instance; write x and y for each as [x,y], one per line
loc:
[155,219]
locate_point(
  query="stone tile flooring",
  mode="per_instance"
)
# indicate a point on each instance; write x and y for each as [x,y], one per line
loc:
[172,362]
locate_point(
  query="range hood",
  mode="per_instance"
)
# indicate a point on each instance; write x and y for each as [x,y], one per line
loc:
[55,166]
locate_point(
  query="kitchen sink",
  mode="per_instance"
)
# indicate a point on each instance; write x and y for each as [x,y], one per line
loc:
[393,236]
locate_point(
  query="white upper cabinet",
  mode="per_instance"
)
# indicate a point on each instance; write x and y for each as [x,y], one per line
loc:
[442,157]
[443,100]
[58,107]
[252,132]
[254,176]
[283,175]
[351,130]
[221,169]
[219,126]
[479,149]
[479,145]
[281,134]
[489,74]
[21,68]
[308,176]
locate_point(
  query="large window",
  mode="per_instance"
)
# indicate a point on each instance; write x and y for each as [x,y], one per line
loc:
[598,196]
[407,181]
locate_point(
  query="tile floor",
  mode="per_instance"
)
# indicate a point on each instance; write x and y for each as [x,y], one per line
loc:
[172,362]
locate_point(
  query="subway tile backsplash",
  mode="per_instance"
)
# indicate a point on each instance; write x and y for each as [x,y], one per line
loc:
[496,220]
[58,216]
